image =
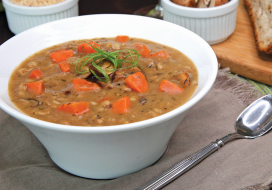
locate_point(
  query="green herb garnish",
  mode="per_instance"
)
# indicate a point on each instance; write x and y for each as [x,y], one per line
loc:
[96,58]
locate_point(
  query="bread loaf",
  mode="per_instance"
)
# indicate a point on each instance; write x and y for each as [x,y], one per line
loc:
[260,12]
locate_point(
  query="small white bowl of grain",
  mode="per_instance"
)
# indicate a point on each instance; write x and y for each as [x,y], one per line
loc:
[25,14]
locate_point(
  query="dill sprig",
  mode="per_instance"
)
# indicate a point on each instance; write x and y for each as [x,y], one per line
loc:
[96,58]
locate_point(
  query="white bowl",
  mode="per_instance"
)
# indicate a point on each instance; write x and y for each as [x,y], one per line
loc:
[21,18]
[110,151]
[214,24]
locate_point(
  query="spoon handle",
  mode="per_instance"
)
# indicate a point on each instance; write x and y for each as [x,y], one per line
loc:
[185,165]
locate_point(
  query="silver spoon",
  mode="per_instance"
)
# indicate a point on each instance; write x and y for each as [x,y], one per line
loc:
[253,122]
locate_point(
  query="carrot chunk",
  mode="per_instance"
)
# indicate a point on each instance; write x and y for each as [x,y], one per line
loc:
[169,87]
[83,85]
[163,54]
[35,74]
[121,106]
[137,82]
[86,48]
[62,55]
[75,108]
[121,38]
[64,67]
[143,50]
[35,87]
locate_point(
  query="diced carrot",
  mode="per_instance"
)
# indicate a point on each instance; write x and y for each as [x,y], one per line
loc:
[64,67]
[169,87]
[163,54]
[75,108]
[121,38]
[121,106]
[35,87]
[62,55]
[86,48]
[35,74]
[144,51]
[137,82]
[83,85]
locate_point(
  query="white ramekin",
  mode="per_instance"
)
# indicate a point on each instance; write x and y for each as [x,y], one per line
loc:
[21,18]
[214,24]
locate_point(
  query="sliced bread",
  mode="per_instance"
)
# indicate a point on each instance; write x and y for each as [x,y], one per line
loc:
[260,12]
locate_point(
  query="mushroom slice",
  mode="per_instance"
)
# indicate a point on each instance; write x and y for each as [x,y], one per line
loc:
[184,79]
[106,65]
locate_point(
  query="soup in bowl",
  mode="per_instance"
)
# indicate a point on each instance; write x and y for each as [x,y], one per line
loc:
[104,102]
[103,82]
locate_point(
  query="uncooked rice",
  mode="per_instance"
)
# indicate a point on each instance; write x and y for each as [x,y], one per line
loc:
[36,3]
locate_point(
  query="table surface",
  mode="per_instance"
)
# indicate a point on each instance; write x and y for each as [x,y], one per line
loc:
[87,7]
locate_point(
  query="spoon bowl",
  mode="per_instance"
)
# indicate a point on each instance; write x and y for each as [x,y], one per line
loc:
[256,119]
[253,122]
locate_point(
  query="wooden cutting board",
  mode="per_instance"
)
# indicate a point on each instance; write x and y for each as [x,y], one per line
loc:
[240,54]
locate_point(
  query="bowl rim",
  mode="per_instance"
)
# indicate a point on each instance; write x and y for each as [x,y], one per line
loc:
[41,10]
[124,127]
[200,12]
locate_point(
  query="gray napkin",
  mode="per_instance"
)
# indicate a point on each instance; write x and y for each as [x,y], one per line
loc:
[240,164]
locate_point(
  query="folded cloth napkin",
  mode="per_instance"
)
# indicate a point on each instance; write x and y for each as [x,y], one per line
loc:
[240,164]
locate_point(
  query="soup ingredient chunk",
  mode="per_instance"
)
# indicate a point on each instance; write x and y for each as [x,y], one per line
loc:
[163,54]
[61,55]
[35,74]
[64,67]
[184,79]
[35,87]
[75,108]
[121,74]
[105,65]
[142,49]
[169,87]
[86,48]
[137,82]
[122,105]
[83,85]
[121,38]
[121,59]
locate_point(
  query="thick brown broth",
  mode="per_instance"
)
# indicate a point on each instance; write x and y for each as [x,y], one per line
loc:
[59,90]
